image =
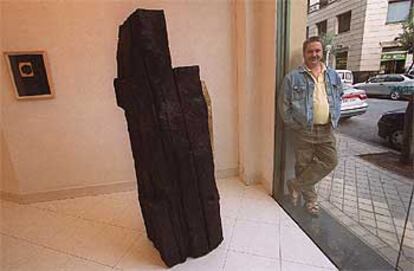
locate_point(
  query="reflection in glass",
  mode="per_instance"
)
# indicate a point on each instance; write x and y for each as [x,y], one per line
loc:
[406,253]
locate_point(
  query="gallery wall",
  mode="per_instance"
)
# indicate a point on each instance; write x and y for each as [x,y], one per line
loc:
[79,138]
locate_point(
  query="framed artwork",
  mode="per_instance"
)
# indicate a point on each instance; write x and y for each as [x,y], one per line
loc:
[29,73]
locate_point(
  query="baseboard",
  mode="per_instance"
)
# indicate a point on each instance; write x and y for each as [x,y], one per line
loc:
[69,193]
[89,190]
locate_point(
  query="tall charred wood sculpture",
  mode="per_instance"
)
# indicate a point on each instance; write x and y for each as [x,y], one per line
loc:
[168,129]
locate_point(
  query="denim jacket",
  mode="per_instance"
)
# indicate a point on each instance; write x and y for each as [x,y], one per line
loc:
[295,101]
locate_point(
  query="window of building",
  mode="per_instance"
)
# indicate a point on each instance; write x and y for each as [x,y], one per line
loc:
[307,32]
[344,22]
[341,60]
[323,3]
[322,27]
[398,10]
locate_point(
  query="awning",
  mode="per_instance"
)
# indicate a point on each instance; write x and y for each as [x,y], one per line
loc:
[390,56]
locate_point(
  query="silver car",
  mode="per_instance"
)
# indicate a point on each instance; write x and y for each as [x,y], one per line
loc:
[386,85]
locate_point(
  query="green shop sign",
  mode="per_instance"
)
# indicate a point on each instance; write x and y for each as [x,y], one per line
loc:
[393,56]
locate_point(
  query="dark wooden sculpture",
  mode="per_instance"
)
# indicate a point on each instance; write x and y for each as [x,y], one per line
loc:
[168,128]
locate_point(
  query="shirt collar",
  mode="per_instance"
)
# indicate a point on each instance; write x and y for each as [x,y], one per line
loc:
[322,65]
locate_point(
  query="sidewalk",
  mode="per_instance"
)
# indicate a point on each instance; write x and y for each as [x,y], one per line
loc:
[371,201]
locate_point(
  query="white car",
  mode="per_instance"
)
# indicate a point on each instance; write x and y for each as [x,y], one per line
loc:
[346,76]
[354,102]
[388,85]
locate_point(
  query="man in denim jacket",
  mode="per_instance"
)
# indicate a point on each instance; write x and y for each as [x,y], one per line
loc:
[310,106]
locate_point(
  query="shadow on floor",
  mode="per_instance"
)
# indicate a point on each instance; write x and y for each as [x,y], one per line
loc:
[390,161]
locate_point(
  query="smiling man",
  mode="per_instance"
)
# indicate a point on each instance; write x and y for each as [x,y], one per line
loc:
[310,106]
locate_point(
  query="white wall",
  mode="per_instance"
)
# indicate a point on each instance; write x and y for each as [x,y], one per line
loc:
[256,26]
[266,69]
[255,41]
[79,138]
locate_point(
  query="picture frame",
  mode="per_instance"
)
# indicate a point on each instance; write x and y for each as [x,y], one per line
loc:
[30,74]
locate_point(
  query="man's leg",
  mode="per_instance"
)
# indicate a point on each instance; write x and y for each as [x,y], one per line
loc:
[323,162]
[304,154]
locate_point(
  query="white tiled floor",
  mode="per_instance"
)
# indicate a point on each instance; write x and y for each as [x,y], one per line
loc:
[106,233]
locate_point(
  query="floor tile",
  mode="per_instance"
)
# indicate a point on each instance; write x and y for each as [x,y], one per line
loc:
[14,252]
[256,191]
[44,259]
[130,218]
[43,229]
[103,209]
[246,262]
[256,238]
[286,221]
[16,220]
[230,187]
[141,256]
[228,224]
[213,261]
[21,255]
[105,231]
[76,264]
[95,241]
[74,206]
[111,244]
[292,266]
[230,206]
[296,246]
[269,209]
[78,239]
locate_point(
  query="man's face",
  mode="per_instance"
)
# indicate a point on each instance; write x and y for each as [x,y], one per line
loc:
[313,54]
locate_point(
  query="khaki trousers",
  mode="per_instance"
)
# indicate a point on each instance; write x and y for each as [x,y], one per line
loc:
[316,157]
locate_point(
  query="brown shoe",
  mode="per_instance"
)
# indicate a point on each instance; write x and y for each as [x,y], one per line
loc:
[312,207]
[294,191]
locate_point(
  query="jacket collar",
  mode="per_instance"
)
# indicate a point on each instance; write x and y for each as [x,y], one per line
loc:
[302,68]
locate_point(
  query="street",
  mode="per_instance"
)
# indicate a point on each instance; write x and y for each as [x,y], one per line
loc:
[364,127]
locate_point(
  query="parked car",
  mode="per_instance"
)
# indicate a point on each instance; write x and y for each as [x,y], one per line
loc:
[391,127]
[354,102]
[387,85]
[346,76]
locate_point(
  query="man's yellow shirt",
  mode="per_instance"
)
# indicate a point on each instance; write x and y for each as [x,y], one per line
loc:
[320,98]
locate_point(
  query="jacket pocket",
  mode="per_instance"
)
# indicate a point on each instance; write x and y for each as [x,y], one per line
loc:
[299,107]
[298,93]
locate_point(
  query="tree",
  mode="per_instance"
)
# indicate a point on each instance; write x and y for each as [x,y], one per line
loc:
[406,40]
[328,40]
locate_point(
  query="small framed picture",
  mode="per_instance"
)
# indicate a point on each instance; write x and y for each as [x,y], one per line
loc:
[29,73]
